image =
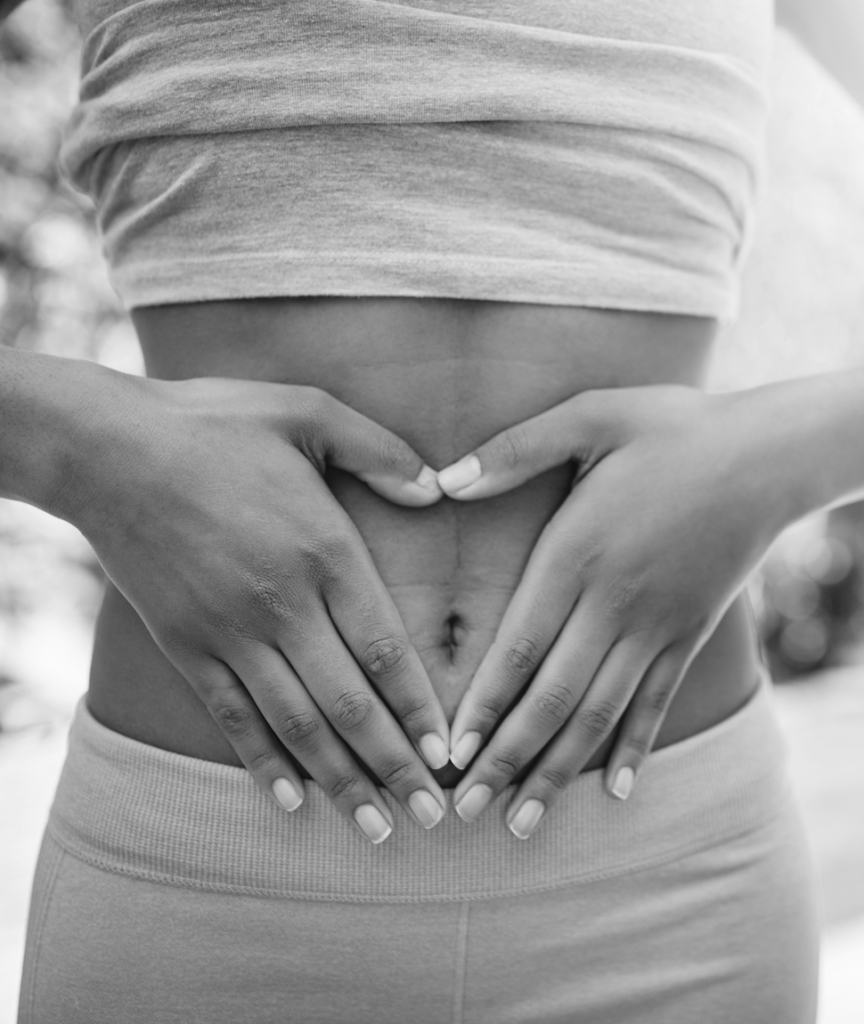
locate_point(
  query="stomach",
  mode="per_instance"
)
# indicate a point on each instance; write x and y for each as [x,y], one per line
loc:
[445,375]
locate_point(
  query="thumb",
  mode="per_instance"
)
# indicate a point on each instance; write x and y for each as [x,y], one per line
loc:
[517,454]
[390,466]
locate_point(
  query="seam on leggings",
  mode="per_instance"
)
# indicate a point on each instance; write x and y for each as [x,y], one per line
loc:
[461,965]
[230,889]
[28,999]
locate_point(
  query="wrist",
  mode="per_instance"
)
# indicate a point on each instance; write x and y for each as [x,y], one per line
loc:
[806,435]
[60,420]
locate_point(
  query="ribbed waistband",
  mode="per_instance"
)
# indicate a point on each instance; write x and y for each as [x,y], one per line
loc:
[130,808]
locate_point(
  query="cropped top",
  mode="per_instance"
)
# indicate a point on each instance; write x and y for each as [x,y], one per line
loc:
[599,153]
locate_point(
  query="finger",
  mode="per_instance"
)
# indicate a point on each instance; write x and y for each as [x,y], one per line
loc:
[367,619]
[341,691]
[544,709]
[347,439]
[522,452]
[304,731]
[643,719]
[541,604]
[593,721]
[247,731]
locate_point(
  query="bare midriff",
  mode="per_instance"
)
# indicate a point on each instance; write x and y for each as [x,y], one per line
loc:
[445,375]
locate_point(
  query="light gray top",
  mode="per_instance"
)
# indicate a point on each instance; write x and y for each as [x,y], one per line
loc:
[574,152]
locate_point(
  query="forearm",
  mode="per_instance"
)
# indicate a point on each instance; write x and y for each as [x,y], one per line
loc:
[55,420]
[810,436]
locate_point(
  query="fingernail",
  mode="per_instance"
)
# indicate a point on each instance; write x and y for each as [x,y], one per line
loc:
[461,474]
[372,822]
[427,478]
[623,782]
[286,793]
[474,801]
[426,808]
[434,750]
[463,753]
[527,818]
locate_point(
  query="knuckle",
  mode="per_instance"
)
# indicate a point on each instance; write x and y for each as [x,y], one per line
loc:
[657,701]
[234,719]
[597,719]
[510,447]
[521,656]
[265,597]
[262,761]
[394,772]
[177,639]
[343,785]
[352,709]
[312,406]
[384,657]
[489,708]
[626,593]
[556,778]
[394,455]
[312,412]
[297,729]
[325,559]
[554,705]
[414,711]
[505,763]
[639,744]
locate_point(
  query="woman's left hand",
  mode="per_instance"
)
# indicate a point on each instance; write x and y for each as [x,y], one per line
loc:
[676,499]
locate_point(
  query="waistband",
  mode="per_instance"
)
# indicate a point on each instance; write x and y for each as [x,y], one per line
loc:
[130,808]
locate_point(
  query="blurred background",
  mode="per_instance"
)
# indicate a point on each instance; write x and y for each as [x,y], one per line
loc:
[803,313]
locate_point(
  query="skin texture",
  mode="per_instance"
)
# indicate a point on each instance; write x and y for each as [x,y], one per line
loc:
[212,517]
[605,622]
[453,604]
[444,376]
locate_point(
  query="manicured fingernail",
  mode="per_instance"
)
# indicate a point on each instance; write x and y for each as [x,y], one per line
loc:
[474,801]
[427,478]
[527,818]
[461,474]
[426,808]
[463,753]
[372,822]
[434,750]
[623,782]
[287,795]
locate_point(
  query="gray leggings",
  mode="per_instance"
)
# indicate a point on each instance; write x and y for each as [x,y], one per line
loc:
[169,889]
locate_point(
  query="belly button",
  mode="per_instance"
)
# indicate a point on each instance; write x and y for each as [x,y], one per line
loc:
[454,632]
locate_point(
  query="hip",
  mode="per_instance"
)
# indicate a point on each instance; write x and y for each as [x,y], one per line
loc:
[693,900]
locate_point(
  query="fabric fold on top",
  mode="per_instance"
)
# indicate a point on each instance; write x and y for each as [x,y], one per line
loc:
[645,153]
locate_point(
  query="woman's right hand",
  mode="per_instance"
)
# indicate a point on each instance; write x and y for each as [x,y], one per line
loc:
[205,503]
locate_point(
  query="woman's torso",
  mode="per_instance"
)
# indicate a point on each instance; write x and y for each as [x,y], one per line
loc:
[445,375]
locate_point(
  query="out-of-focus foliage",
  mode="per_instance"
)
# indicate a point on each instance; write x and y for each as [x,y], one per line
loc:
[54,290]
[803,312]
[54,297]
[809,595]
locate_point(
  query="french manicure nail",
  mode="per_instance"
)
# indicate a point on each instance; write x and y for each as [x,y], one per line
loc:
[434,750]
[463,753]
[426,808]
[527,818]
[474,801]
[623,782]
[460,475]
[372,822]
[286,793]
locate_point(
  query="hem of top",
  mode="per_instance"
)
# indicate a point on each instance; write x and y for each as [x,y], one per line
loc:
[315,896]
[375,275]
